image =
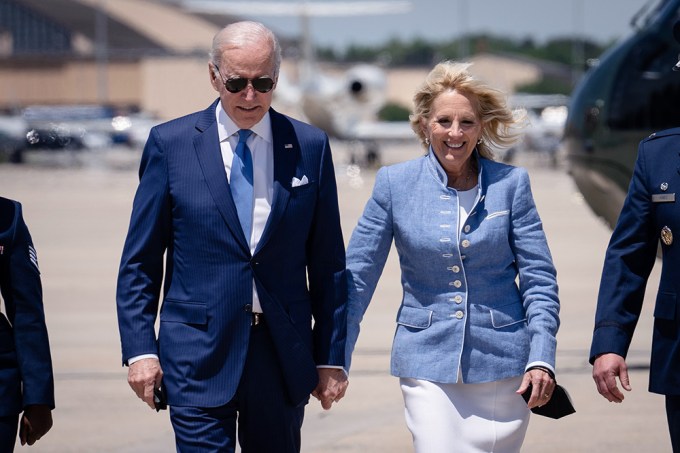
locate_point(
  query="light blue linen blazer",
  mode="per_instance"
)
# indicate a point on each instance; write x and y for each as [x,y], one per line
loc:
[482,302]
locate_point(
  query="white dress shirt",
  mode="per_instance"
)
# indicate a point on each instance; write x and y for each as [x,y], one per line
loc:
[261,144]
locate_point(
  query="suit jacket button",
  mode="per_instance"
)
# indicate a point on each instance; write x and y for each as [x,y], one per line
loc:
[248,308]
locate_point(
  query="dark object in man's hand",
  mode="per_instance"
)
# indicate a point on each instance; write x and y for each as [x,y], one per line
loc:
[159,401]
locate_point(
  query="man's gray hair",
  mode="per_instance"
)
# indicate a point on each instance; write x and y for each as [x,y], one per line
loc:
[239,34]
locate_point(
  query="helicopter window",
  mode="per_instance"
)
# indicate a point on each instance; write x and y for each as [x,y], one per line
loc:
[646,90]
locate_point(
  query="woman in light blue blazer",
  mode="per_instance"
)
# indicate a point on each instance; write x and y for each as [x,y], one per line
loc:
[479,314]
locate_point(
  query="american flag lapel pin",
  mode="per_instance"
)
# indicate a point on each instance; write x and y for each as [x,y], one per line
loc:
[288,146]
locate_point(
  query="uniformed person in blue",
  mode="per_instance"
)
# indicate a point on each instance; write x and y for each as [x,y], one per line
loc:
[649,219]
[26,379]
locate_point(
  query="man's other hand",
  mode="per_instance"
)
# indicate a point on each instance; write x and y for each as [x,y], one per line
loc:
[332,386]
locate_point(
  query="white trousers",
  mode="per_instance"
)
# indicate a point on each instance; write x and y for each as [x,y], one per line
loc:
[465,418]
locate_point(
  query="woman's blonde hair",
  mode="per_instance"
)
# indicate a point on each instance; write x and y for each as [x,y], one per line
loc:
[501,127]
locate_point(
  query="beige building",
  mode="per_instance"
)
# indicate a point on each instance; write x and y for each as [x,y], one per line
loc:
[145,54]
[142,54]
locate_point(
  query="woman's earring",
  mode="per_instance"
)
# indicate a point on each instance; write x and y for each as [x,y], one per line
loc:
[427,141]
[480,141]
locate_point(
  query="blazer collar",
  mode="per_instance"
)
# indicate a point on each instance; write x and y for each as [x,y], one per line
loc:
[207,148]
[206,118]
[440,175]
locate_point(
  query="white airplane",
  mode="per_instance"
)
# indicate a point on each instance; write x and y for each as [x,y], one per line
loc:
[345,107]
[547,114]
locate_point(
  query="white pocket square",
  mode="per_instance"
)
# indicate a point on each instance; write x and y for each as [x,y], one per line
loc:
[299,182]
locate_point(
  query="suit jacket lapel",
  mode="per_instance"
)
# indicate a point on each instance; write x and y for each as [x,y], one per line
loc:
[286,154]
[207,147]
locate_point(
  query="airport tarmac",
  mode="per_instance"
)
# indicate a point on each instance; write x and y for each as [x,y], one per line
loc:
[78,209]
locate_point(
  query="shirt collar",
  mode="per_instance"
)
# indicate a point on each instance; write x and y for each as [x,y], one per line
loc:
[226,126]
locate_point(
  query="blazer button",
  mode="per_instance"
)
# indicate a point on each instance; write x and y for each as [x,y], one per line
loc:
[465,243]
[455,269]
[458,299]
[467,228]
[457,284]
[459,314]
[248,308]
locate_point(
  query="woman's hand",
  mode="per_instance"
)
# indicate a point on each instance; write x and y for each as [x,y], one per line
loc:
[542,385]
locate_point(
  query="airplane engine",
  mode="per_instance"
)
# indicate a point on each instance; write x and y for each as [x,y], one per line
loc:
[339,104]
[366,84]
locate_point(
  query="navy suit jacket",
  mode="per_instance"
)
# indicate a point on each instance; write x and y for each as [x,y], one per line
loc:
[651,205]
[25,364]
[184,213]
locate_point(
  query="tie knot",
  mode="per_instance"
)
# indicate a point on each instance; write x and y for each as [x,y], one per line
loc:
[243,135]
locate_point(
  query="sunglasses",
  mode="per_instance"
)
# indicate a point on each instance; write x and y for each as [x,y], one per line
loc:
[237,84]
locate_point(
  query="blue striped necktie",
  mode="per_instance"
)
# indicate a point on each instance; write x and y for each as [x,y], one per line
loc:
[242,182]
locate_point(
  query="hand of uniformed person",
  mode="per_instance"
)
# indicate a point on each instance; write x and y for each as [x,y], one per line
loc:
[35,422]
[606,368]
[144,376]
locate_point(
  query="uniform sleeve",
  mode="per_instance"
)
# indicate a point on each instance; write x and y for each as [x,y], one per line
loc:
[28,320]
[628,262]
[366,256]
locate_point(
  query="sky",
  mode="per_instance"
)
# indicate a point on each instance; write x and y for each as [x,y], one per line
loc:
[441,20]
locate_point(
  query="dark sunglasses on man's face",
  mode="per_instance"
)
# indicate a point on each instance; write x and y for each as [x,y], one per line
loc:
[261,84]
[237,84]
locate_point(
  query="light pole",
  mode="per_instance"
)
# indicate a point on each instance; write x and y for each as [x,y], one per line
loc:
[102,52]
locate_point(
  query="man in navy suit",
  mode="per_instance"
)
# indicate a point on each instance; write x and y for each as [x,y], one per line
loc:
[236,216]
[26,379]
[650,217]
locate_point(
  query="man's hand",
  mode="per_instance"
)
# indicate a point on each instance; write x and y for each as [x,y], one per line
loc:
[35,422]
[331,388]
[606,369]
[144,376]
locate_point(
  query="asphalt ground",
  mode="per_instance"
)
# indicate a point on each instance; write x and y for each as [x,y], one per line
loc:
[77,207]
